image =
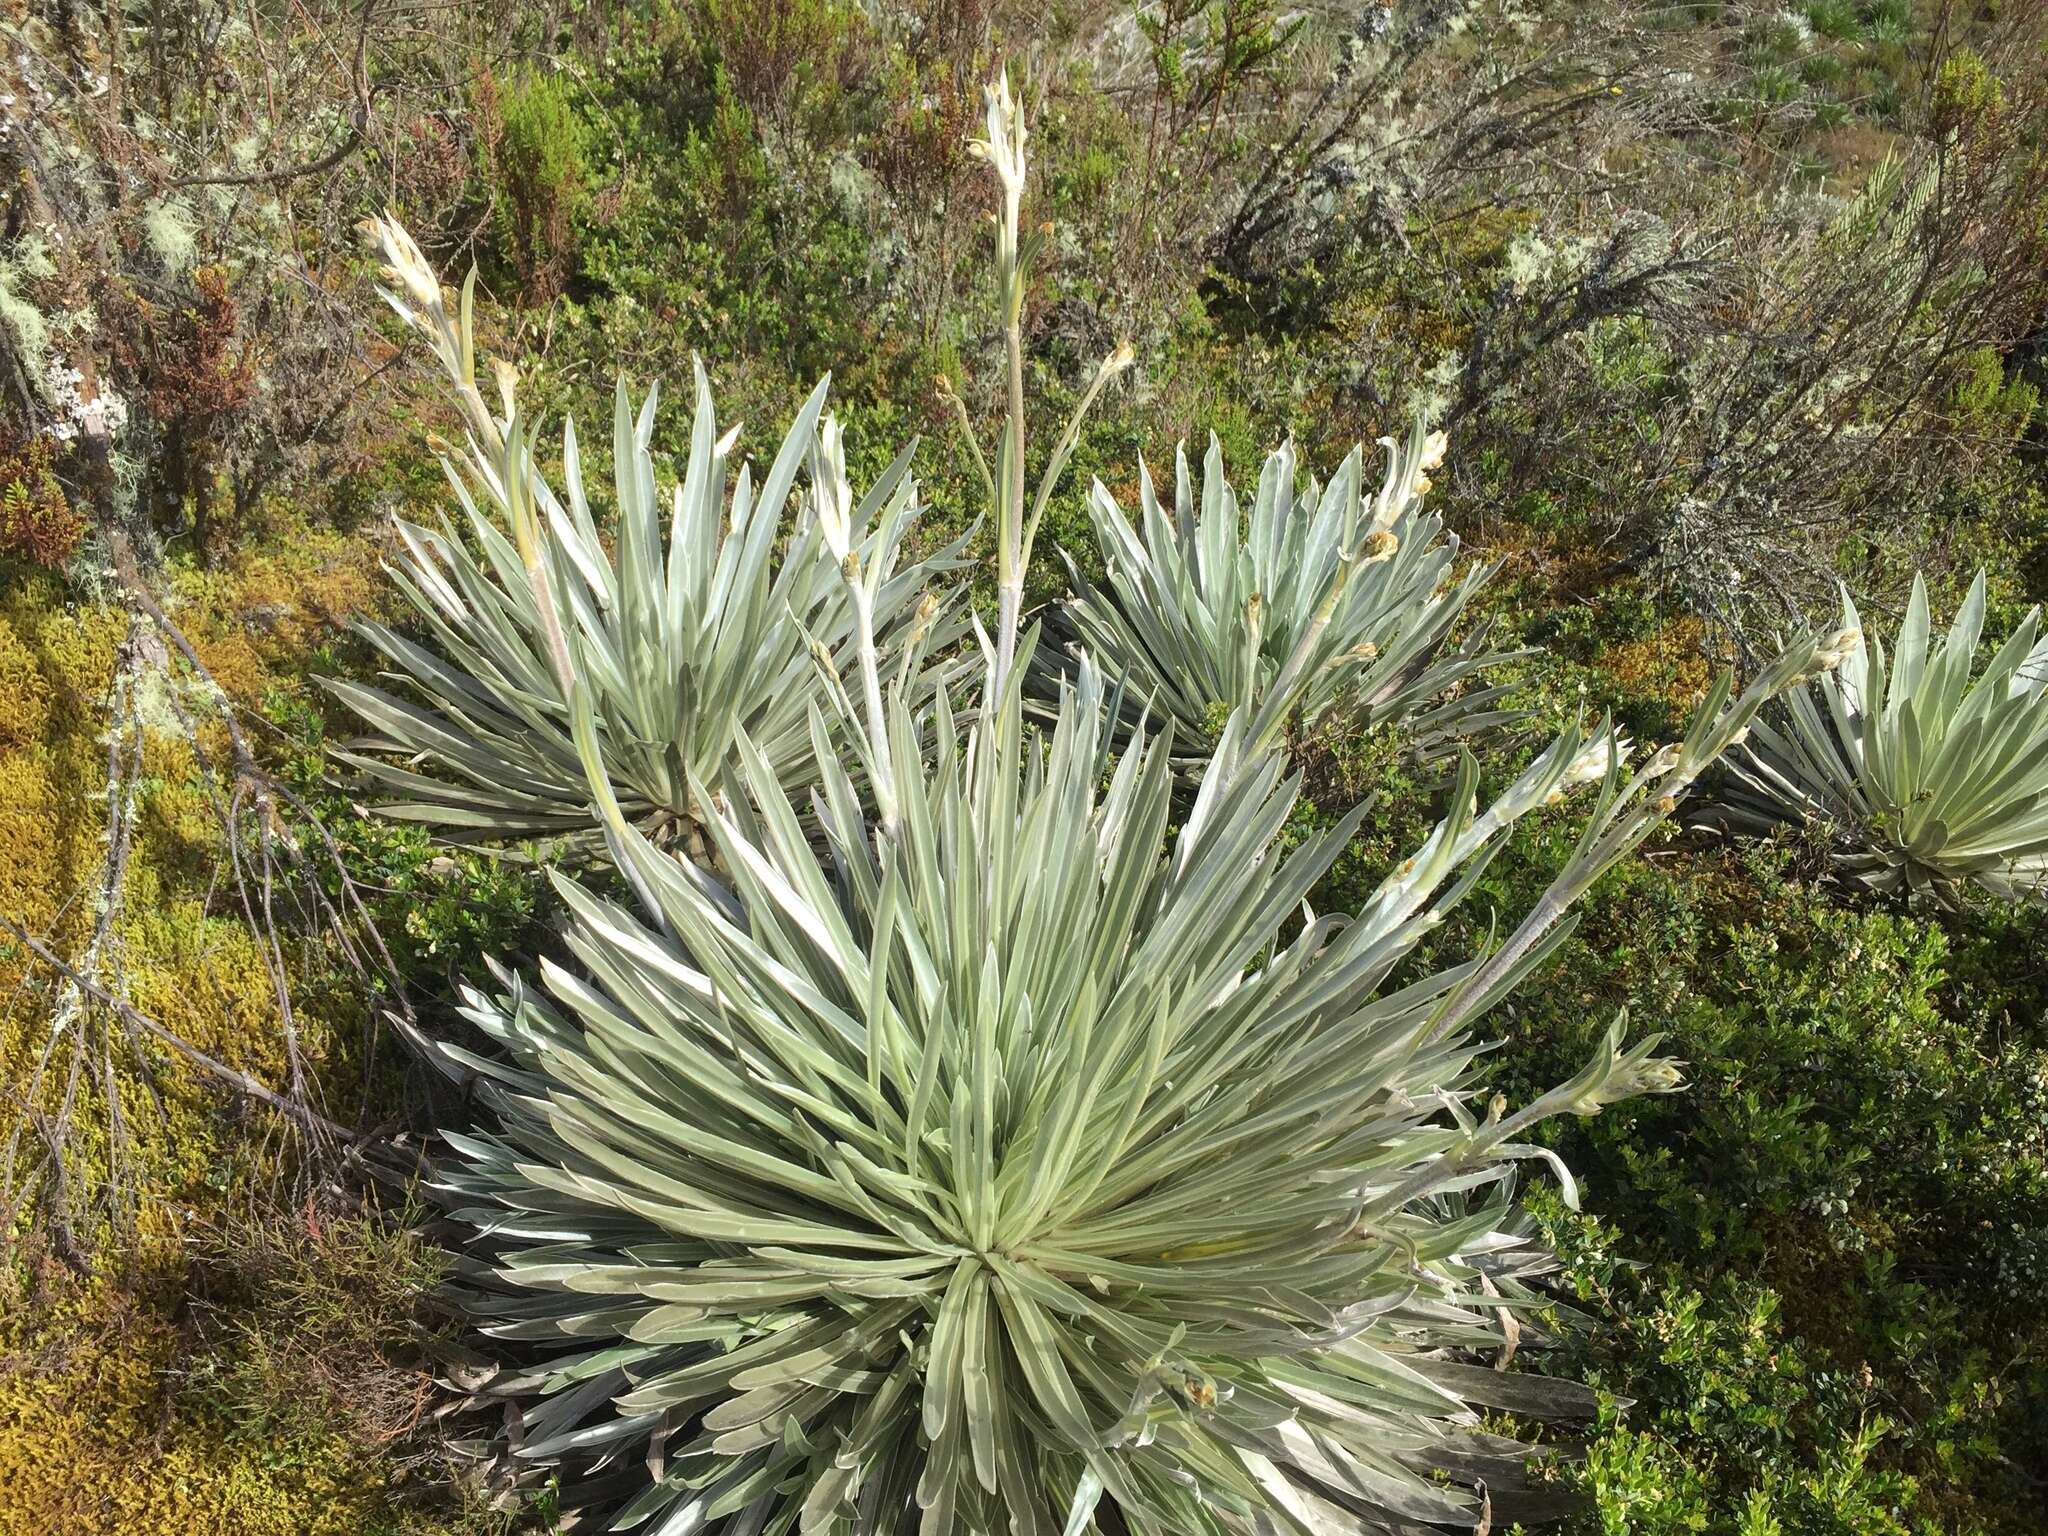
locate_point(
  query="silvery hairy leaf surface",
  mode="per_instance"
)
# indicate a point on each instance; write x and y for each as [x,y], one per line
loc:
[1926,773]
[692,609]
[1045,1165]
[1307,604]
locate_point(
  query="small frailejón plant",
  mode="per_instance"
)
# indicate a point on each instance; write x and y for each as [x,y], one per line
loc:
[1336,604]
[684,646]
[1030,1157]
[1924,778]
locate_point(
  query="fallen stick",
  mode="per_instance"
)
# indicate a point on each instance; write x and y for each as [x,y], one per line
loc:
[241,1081]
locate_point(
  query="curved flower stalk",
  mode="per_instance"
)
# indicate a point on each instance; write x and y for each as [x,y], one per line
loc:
[1925,779]
[1336,604]
[1044,1165]
[684,639]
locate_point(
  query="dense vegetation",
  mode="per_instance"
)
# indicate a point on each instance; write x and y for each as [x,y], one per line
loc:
[1718,305]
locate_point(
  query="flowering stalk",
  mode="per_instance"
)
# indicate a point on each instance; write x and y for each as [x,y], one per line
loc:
[500,449]
[1003,149]
[1117,361]
[1628,814]
[835,519]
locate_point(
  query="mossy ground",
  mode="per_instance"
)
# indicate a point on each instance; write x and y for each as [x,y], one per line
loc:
[119,1414]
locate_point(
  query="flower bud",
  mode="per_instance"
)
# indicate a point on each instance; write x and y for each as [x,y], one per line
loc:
[507,378]
[1838,649]
[1664,759]
[405,265]
[1594,759]
[833,496]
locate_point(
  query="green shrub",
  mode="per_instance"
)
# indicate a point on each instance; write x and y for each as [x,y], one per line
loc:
[1841,1220]
[539,179]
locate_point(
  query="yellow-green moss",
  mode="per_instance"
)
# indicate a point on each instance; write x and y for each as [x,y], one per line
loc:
[93,1438]
[101,1430]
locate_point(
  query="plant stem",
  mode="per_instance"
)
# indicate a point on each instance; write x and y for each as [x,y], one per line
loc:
[1012,554]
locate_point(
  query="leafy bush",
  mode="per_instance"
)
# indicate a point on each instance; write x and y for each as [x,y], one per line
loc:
[537,161]
[1923,779]
[1841,1221]
[37,522]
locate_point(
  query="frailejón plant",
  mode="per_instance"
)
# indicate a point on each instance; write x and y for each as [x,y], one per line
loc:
[683,642]
[1924,778]
[1337,602]
[1033,1160]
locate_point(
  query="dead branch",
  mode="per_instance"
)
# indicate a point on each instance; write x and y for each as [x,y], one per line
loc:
[240,1081]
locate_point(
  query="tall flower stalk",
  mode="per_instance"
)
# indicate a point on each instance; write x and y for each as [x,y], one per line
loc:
[1002,148]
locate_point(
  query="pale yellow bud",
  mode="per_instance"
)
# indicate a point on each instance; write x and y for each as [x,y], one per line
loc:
[507,378]
[1663,760]
[1838,649]
[405,264]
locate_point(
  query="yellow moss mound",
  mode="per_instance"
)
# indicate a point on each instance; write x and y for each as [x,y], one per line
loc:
[106,1429]
[97,1445]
